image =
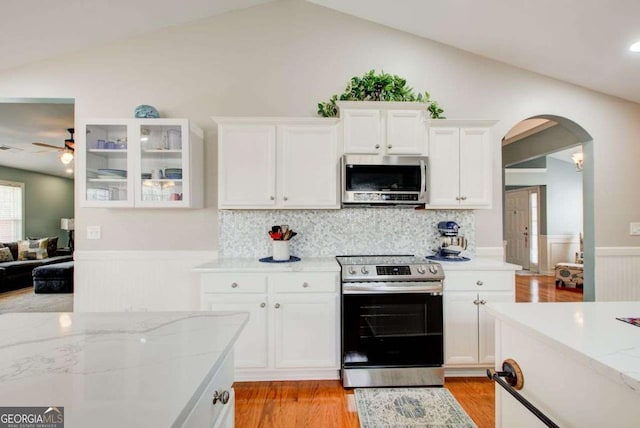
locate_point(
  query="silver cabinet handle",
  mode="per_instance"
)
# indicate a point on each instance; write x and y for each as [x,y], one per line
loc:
[305,284]
[234,285]
[389,146]
[222,397]
[277,305]
[479,283]
[263,304]
[273,198]
[483,302]
[377,146]
[285,198]
[457,198]
[464,198]
[476,302]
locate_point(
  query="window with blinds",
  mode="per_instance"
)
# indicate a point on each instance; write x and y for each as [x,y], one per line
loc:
[11,212]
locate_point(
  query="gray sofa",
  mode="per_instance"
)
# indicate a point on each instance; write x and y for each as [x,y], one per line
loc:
[19,273]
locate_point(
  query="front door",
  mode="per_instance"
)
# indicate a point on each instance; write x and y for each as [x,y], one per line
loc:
[517,227]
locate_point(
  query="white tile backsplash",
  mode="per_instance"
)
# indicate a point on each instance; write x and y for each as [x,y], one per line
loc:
[323,233]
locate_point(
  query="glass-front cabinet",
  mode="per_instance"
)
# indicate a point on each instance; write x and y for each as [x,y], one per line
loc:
[140,163]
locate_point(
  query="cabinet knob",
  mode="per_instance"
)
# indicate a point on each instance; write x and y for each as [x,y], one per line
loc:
[263,304]
[285,198]
[476,302]
[389,146]
[277,305]
[305,284]
[222,397]
[457,198]
[464,198]
[234,285]
[479,283]
[377,146]
[483,302]
[273,198]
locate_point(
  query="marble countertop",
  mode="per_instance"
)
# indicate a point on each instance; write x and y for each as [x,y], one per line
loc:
[478,263]
[113,369]
[588,331]
[233,264]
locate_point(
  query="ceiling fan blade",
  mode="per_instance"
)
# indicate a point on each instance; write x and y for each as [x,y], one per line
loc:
[48,146]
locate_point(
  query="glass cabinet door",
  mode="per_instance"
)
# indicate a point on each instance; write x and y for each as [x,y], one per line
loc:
[163,150]
[107,164]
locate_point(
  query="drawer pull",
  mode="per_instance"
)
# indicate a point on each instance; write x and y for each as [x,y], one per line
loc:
[277,305]
[377,146]
[479,283]
[483,302]
[263,304]
[305,284]
[222,397]
[234,285]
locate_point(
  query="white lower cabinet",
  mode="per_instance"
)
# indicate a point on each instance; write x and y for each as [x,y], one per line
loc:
[293,328]
[469,334]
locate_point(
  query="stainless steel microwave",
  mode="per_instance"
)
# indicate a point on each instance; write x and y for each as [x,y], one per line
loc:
[369,180]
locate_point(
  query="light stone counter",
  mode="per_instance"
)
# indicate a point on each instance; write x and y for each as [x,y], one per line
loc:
[113,369]
[478,263]
[238,264]
[580,364]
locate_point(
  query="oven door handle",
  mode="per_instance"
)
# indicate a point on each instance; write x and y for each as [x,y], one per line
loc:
[391,289]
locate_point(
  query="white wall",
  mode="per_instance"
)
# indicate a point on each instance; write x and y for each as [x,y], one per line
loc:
[281,59]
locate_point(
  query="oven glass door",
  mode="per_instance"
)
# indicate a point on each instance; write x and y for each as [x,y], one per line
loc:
[392,330]
[376,178]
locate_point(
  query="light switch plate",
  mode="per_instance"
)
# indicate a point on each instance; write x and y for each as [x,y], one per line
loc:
[93,232]
[634,228]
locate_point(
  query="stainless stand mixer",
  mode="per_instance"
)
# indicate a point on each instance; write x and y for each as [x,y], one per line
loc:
[450,244]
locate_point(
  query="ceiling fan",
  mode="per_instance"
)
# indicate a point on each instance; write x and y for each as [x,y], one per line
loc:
[67,151]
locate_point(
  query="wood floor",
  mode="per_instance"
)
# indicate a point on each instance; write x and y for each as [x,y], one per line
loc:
[311,404]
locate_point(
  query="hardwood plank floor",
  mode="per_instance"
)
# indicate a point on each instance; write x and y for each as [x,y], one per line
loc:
[311,404]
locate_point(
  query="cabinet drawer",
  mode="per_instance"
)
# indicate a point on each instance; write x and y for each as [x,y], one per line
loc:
[479,281]
[233,283]
[205,413]
[304,282]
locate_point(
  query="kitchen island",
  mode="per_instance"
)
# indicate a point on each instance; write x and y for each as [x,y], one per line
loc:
[121,369]
[581,365]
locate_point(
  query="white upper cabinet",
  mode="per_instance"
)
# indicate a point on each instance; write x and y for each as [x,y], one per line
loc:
[277,163]
[149,163]
[384,128]
[460,164]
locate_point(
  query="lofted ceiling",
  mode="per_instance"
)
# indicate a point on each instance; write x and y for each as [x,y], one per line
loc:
[584,42]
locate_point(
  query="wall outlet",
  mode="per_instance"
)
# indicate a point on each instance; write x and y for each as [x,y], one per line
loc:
[634,228]
[93,232]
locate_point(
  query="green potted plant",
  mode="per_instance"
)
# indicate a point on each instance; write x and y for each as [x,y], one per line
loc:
[379,87]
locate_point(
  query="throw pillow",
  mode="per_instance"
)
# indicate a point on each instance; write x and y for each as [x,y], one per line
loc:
[13,246]
[25,246]
[52,246]
[5,255]
[36,254]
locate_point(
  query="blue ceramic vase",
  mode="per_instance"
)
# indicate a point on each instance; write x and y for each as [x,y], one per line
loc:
[146,112]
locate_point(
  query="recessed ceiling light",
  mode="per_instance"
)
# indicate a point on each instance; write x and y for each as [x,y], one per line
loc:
[635,47]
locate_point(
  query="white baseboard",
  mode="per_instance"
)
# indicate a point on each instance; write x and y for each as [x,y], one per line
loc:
[617,273]
[122,281]
[255,375]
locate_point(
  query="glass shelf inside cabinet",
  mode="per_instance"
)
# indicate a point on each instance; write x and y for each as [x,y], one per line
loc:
[106,168]
[161,161]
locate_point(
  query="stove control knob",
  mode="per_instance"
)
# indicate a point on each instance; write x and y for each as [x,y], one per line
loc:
[352,270]
[421,270]
[433,269]
[364,270]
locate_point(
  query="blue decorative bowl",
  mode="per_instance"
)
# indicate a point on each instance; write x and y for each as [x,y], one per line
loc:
[146,112]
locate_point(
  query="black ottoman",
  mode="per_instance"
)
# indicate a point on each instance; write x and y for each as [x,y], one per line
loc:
[55,278]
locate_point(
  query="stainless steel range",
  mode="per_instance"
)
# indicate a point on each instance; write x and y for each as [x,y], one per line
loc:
[392,325]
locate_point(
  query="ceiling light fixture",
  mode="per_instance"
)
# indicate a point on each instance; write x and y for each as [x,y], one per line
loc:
[66,156]
[635,47]
[578,159]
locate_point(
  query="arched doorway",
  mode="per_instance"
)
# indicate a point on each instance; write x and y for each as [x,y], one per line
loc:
[526,146]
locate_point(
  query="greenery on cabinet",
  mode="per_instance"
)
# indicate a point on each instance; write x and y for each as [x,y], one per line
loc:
[379,87]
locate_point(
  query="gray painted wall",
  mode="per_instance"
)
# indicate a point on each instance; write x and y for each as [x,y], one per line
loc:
[563,195]
[545,142]
[47,200]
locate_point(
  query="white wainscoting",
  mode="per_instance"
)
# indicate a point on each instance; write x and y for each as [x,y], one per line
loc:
[137,280]
[557,249]
[617,274]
